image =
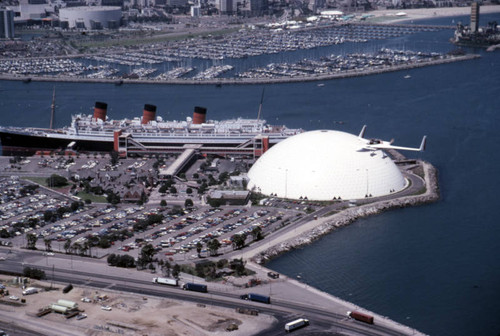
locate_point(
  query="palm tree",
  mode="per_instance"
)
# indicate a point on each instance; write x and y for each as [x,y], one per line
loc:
[199,246]
[75,247]
[48,244]
[67,245]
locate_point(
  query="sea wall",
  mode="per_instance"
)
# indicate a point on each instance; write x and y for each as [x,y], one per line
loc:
[350,215]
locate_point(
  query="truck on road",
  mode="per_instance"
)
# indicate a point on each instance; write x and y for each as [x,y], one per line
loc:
[166,281]
[360,317]
[256,297]
[195,287]
[296,324]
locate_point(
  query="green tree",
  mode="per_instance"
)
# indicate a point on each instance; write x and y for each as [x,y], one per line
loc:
[55,181]
[163,203]
[188,203]
[199,246]
[147,254]
[31,239]
[67,245]
[104,242]
[257,233]
[34,273]
[213,246]
[176,270]
[238,241]
[166,268]
[76,247]
[114,158]
[48,244]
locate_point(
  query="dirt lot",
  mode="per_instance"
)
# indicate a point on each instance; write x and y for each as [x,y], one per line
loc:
[129,315]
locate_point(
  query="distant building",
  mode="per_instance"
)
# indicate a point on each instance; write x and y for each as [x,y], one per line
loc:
[195,11]
[257,7]
[474,17]
[116,3]
[226,7]
[177,3]
[98,17]
[6,23]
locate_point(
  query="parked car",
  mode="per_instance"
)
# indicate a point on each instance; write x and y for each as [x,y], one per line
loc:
[81,316]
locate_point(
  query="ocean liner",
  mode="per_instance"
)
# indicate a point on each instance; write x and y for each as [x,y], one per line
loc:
[149,134]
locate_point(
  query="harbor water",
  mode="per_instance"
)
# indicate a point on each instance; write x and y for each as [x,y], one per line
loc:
[435,267]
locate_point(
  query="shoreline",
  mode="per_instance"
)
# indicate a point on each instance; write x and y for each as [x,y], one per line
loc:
[326,225]
[257,260]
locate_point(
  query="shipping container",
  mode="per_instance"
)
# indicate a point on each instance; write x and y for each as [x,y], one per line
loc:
[360,317]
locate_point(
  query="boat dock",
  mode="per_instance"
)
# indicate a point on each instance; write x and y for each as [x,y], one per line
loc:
[243,81]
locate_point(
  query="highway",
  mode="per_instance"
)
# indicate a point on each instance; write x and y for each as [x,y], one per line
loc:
[322,320]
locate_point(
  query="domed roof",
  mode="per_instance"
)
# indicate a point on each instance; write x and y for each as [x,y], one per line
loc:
[321,165]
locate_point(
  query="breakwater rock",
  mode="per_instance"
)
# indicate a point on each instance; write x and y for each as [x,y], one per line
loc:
[345,217]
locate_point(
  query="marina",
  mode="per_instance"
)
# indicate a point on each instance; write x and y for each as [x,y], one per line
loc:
[215,56]
[328,68]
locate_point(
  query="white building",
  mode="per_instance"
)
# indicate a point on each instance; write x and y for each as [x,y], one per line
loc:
[91,17]
[323,165]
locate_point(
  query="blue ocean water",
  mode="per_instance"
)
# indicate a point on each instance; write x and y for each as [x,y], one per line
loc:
[434,267]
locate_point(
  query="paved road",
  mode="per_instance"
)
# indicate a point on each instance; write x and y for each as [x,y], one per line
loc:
[94,273]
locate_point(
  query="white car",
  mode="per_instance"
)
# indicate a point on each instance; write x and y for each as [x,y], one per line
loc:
[81,316]
[13,297]
[108,308]
[86,299]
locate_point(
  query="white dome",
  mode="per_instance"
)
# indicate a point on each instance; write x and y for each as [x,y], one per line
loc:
[321,165]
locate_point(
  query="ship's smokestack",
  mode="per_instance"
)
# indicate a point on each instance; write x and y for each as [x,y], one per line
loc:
[148,114]
[100,110]
[199,115]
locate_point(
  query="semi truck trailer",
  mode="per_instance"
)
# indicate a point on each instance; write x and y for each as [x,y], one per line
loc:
[165,281]
[296,324]
[360,317]
[195,287]
[256,297]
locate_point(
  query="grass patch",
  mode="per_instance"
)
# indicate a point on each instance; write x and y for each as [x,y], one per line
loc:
[145,39]
[94,198]
[40,180]
[328,214]
[421,191]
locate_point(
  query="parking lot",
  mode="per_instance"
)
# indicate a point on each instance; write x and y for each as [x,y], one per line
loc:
[63,222]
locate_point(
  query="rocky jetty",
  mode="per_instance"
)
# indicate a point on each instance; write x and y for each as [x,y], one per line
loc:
[349,215]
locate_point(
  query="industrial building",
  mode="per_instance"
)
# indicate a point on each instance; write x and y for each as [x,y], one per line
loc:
[325,165]
[91,17]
